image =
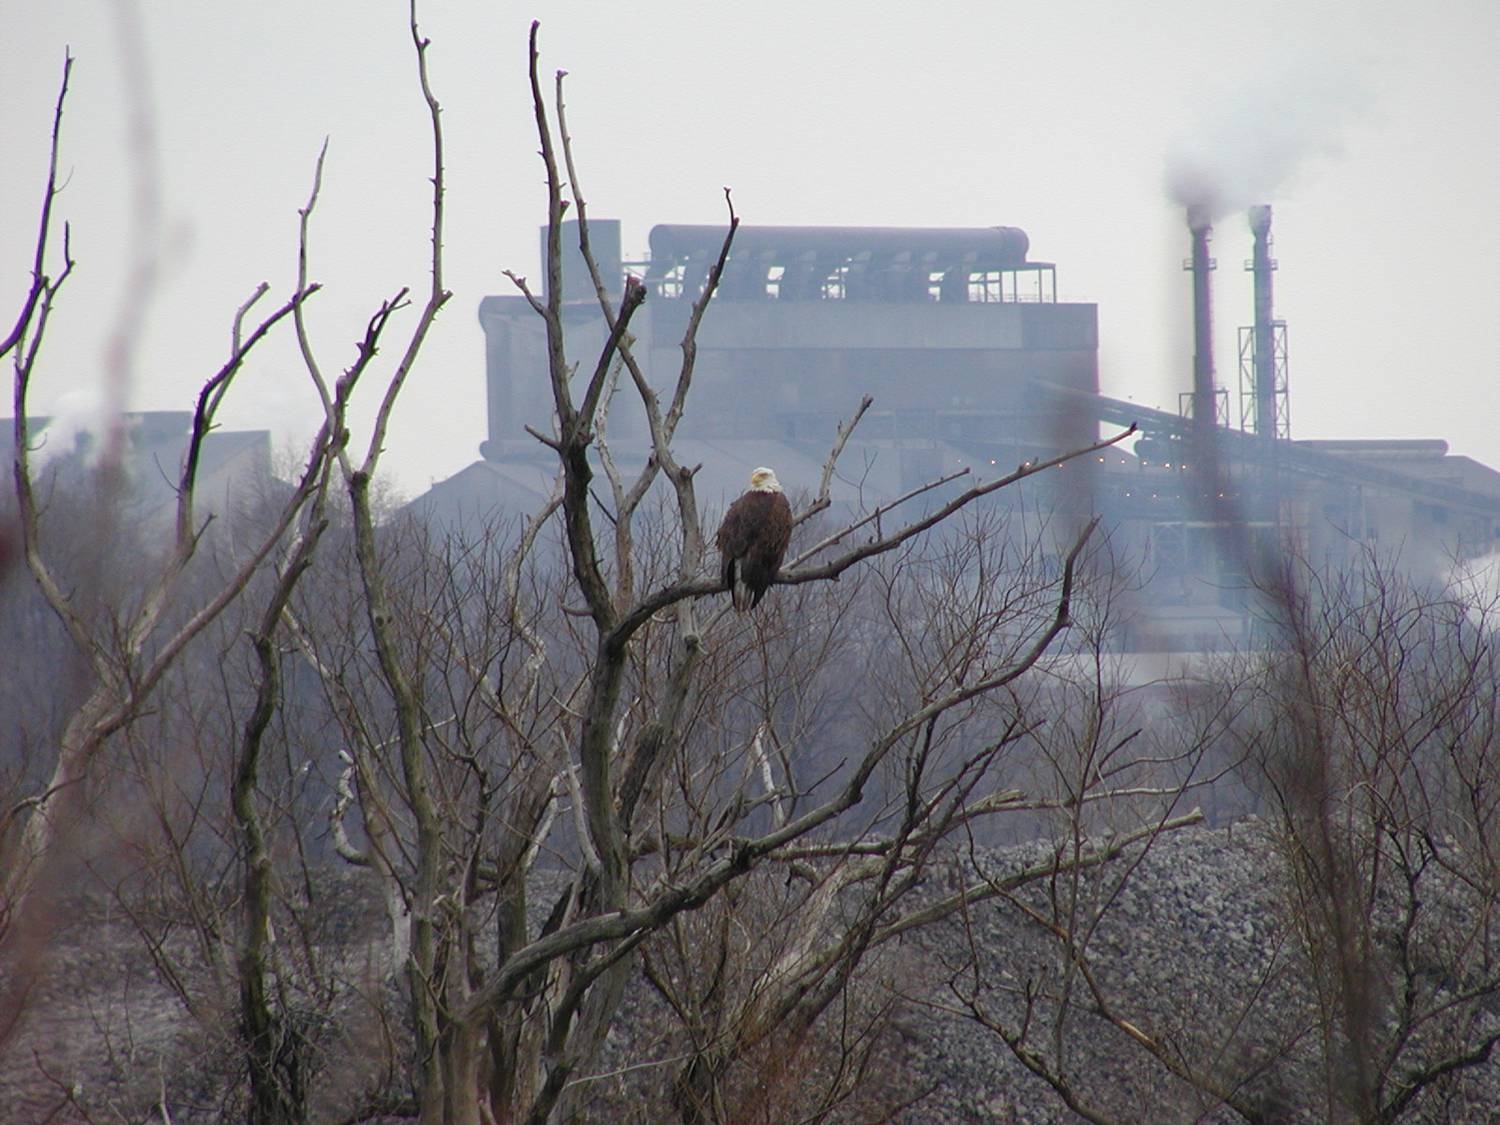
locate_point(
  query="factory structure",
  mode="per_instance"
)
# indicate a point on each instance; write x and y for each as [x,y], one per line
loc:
[973,362]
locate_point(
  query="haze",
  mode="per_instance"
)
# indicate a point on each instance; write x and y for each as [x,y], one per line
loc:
[1370,126]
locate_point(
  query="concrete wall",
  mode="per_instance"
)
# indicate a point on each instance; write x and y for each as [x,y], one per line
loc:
[777,370]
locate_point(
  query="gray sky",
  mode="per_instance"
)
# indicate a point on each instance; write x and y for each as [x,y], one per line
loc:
[1371,125]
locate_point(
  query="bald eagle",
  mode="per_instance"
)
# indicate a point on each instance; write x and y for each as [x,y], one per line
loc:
[753,538]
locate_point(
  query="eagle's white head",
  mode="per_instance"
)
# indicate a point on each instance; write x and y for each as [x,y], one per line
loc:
[764,480]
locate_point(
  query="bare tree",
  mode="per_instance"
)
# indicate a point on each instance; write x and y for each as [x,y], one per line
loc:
[578,729]
[564,768]
[1366,732]
[132,642]
[1104,772]
[1374,728]
[127,646]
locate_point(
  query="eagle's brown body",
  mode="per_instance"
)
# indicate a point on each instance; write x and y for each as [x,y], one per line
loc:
[753,538]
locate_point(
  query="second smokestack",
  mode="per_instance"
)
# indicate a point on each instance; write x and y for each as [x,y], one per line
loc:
[1264,368]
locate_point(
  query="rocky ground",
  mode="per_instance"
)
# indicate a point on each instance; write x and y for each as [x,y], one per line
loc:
[1196,951]
[1199,952]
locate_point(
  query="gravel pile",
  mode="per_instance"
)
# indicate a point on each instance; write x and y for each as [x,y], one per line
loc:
[1194,948]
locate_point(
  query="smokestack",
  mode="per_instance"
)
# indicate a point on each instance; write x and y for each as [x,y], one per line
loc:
[1205,400]
[1262,266]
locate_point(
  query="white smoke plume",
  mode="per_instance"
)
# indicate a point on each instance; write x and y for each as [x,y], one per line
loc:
[1248,147]
[78,422]
[1476,583]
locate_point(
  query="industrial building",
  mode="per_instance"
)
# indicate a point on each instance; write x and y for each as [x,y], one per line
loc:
[945,329]
[972,361]
[233,467]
